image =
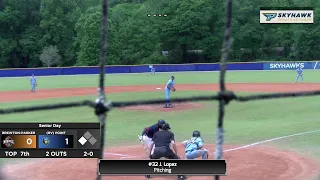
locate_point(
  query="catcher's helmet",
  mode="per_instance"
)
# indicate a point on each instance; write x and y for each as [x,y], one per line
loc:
[196,134]
[161,122]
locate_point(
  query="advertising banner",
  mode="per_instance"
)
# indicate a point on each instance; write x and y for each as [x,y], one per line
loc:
[288,65]
[294,16]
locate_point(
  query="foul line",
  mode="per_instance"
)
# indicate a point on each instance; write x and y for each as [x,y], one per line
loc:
[269,140]
[116,154]
[315,65]
[130,157]
[123,156]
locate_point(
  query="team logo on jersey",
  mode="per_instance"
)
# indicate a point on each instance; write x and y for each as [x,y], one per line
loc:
[8,141]
[46,141]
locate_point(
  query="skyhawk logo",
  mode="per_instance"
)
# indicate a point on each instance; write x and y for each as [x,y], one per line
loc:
[286,16]
[295,15]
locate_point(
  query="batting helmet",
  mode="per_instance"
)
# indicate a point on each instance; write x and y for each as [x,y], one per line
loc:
[196,134]
[161,122]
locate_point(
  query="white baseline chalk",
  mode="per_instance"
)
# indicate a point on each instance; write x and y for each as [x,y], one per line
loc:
[269,140]
[116,154]
[315,66]
[233,149]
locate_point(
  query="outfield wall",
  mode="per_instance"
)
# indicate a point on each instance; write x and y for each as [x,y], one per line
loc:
[159,68]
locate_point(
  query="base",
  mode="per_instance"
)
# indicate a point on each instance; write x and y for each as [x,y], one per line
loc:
[168,106]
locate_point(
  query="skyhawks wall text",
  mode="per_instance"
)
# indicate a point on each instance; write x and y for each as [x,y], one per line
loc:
[290,65]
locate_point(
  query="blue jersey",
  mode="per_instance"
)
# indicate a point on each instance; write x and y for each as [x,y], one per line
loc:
[33,80]
[299,71]
[193,144]
[150,131]
[170,84]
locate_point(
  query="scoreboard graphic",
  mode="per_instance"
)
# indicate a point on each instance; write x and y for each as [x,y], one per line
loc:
[48,140]
[18,141]
[55,141]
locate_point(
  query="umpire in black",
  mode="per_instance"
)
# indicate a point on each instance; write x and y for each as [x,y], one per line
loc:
[162,140]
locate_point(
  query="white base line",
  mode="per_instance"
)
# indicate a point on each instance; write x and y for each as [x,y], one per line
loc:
[115,154]
[315,65]
[130,157]
[269,140]
[233,149]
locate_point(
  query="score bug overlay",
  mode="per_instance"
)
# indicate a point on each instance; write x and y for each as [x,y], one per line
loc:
[49,140]
[163,167]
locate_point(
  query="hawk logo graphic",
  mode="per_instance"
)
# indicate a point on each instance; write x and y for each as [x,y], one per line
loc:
[270,16]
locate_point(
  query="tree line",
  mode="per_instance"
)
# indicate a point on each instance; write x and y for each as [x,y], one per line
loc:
[37,33]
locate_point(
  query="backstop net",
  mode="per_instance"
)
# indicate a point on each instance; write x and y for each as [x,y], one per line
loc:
[102,105]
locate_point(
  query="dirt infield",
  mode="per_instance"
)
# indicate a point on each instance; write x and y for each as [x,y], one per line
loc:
[14,96]
[258,163]
[159,108]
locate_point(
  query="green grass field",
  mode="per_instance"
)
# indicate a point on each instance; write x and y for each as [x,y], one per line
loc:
[11,84]
[244,123]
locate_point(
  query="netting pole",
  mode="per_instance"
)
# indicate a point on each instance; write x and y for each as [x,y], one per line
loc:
[102,97]
[223,67]
[1,6]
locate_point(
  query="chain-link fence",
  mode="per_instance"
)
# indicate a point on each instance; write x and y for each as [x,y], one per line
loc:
[101,106]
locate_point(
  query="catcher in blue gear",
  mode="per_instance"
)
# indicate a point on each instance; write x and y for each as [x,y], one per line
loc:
[194,145]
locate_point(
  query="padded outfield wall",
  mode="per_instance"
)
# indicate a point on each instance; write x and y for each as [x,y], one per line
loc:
[158,67]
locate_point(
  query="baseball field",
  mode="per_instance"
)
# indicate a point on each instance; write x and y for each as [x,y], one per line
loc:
[264,140]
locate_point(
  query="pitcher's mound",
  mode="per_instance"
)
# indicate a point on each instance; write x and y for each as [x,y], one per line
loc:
[160,108]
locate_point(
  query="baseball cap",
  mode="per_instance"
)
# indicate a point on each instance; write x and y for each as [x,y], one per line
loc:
[165,126]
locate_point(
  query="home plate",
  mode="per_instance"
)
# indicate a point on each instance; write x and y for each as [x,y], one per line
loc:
[158,88]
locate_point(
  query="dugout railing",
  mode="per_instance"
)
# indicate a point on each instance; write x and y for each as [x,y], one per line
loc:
[101,105]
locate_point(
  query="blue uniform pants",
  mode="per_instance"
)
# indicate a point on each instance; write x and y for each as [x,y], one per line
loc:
[297,78]
[197,153]
[33,87]
[167,94]
[153,71]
